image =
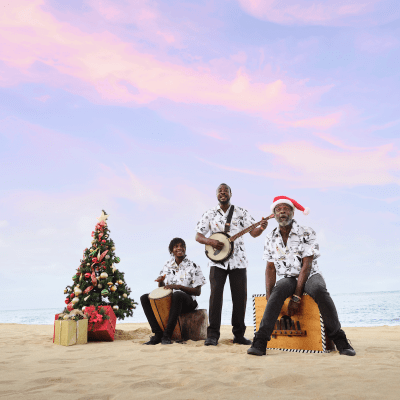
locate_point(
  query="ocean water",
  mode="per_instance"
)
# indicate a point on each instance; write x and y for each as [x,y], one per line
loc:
[354,309]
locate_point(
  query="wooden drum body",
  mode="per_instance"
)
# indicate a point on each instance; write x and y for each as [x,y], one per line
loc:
[160,300]
[303,332]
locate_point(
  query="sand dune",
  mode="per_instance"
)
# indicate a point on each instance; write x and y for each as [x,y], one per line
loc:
[32,367]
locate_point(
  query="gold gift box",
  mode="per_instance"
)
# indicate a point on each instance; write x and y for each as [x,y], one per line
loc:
[70,332]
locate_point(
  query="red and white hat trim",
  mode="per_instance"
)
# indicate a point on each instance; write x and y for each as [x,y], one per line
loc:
[290,202]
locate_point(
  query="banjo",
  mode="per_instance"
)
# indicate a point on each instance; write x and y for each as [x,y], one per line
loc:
[226,252]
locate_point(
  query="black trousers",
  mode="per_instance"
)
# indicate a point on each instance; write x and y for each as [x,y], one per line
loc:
[238,283]
[181,303]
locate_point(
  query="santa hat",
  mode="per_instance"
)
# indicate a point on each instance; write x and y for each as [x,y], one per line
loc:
[291,202]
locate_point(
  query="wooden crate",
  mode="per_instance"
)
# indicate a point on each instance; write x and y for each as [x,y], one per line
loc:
[312,338]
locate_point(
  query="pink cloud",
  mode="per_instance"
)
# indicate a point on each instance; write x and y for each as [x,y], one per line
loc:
[303,164]
[310,166]
[324,122]
[43,99]
[332,12]
[120,73]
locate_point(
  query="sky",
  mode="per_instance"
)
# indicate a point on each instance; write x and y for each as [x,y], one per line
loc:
[142,108]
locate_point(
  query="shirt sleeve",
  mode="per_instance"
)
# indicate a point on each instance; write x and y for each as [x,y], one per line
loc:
[311,247]
[198,277]
[267,256]
[165,271]
[203,226]
[247,219]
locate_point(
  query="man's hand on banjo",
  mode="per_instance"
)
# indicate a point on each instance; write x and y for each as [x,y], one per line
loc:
[216,244]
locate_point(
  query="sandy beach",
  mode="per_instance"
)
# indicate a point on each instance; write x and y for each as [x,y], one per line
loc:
[32,367]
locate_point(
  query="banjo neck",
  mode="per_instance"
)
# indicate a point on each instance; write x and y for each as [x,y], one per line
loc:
[250,228]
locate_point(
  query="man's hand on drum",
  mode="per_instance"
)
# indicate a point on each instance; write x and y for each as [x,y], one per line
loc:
[293,308]
[174,287]
[216,244]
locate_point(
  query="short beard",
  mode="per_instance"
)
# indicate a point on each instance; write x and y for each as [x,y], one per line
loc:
[224,201]
[285,223]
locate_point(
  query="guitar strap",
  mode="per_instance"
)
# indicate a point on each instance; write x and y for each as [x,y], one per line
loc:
[229,219]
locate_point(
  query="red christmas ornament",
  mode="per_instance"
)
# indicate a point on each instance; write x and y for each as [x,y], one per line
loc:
[66,301]
[78,273]
[70,307]
[87,275]
[72,295]
[103,241]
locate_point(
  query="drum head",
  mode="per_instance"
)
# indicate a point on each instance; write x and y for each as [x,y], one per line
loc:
[159,293]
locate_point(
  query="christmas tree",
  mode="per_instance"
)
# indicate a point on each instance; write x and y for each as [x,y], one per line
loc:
[97,281]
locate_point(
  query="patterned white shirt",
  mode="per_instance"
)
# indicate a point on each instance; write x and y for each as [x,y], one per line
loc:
[302,242]
[214,220]
[187,273]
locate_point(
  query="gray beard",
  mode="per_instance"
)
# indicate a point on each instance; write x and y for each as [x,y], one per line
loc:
[285,223]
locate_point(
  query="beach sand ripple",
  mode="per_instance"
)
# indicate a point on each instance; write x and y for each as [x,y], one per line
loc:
[32,367]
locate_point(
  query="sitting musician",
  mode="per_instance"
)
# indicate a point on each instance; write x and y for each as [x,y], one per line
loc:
[291,252]
[214,221]
[185,278]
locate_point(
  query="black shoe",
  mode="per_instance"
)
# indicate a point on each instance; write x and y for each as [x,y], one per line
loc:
[242,340]
[259,346]
[154,340]
[211,341]
[166,340]
[343,346]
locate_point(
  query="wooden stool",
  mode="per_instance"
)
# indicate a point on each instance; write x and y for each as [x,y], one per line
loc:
[193,325]
[304,332]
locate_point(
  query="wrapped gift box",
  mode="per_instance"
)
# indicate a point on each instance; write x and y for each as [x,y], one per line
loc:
[103,330]
[70,332]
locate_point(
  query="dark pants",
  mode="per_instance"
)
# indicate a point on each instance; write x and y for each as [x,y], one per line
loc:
[238,283]
[316,288]
[181,303]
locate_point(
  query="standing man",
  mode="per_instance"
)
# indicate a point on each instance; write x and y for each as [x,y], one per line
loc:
[213,221]
[291,252]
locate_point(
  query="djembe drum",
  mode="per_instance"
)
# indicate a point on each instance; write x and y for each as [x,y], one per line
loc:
[160,300]
[303,332]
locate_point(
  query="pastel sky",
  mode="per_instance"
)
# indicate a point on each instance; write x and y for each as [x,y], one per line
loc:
[143,108]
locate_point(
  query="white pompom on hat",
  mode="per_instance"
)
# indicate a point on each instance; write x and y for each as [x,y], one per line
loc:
[290,202]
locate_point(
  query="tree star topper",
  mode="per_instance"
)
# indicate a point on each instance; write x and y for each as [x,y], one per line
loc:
[103,217]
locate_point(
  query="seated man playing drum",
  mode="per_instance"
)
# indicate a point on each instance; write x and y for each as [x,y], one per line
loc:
[185,278]
[291,252]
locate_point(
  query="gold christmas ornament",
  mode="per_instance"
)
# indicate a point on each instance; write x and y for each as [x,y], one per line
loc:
[113,248]
[120,282]
[113,288]
[125,295]
[109,283]
[65,291]
[104,275]
[78,284]
[99,285]
[115,308]
[77,291]
[74,300]
[88,264]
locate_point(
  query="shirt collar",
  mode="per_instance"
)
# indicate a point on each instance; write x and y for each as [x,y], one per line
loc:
[295,229]
[175,265]
[218,208]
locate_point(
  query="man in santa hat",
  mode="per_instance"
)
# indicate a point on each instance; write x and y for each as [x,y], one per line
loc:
[291,252]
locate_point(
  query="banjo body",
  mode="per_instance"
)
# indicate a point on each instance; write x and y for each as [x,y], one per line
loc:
[225,252]
[220,256]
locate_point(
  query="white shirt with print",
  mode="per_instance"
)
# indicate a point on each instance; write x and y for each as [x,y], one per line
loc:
[213,221]
[302,242]
[187,273]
